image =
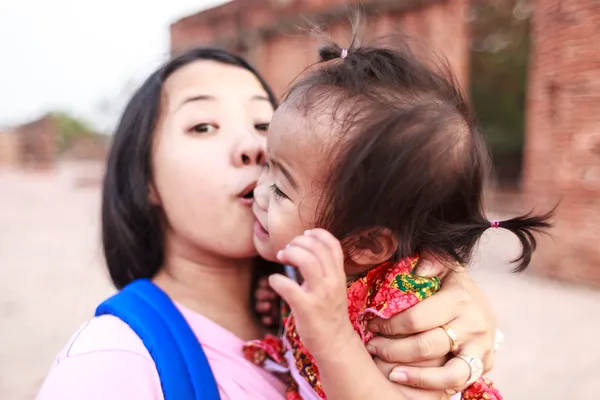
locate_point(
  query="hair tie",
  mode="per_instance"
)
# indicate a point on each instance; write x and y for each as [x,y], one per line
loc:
[344,53]
[495,224]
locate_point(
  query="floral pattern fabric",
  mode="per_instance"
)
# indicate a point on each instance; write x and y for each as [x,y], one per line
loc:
[383,291]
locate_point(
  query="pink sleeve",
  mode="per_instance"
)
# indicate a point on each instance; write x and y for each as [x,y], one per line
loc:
[110,374]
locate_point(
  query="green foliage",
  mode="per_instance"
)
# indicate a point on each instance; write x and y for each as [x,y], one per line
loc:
[500,51]
[70,129]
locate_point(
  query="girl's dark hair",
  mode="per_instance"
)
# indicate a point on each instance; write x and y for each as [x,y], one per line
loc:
[409,157]
[132,235]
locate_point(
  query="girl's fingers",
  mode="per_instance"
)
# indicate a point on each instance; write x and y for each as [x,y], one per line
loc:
[303,259]
[289,291]
[333,245]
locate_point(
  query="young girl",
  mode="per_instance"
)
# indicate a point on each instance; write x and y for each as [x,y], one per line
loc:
[379,150]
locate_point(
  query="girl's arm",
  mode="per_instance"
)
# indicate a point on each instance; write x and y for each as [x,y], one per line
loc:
[348,372]
[320,310]
[413,337]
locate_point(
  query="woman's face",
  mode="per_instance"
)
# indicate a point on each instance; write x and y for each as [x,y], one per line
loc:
[207,156]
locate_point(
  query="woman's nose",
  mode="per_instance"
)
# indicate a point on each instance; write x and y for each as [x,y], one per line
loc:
[250,152]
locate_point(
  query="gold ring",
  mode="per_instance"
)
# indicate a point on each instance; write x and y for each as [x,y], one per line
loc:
[452,337]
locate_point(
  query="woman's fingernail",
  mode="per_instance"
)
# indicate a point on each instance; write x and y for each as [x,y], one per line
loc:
[279,254]
[426,269]
[374,328]
[308,232]
[398,376]
[371,349]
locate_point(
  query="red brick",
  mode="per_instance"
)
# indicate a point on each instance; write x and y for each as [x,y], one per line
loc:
[268,37]
[32,145]
[562,154]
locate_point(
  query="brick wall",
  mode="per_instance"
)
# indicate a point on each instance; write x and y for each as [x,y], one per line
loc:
[32,145]
[562,153]
[9,148]
[265,31]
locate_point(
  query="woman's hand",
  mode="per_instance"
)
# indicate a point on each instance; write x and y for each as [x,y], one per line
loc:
[462,306]
[266,304]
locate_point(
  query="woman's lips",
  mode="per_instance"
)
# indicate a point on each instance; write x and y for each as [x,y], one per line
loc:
[247,195]
[247,201]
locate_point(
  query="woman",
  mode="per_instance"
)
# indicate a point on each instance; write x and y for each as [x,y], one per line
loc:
[177,198]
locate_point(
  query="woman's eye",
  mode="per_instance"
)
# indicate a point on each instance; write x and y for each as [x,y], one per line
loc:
[262,127]
[204,128]
[277,192]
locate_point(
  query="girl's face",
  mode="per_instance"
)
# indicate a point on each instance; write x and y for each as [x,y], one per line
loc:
[207,156]
[289,190]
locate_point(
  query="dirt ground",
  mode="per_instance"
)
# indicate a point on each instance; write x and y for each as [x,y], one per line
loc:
[51,279]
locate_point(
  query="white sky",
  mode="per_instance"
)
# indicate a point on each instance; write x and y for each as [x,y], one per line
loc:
[81,56]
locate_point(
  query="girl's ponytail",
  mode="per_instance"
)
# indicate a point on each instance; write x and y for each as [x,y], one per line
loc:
[524,227]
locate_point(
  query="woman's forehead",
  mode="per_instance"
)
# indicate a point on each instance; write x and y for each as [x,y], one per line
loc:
[214,79]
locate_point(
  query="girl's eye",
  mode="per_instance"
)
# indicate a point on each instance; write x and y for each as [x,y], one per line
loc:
[204,128]
[278,193]
[262,127]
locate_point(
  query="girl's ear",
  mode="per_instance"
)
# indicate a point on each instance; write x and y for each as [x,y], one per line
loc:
[373,246]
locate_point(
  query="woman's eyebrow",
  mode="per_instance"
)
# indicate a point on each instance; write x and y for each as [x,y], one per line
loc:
[261,98]
[201,97]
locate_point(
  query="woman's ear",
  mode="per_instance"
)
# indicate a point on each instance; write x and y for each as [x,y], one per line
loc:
[153,195]
[373,246]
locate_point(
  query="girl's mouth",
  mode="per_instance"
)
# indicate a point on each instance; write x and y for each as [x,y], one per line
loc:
[260,231]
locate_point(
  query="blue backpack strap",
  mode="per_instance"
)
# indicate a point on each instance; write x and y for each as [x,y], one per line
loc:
[180,361]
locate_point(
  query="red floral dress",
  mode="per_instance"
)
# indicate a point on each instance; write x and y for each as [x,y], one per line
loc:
[383,292]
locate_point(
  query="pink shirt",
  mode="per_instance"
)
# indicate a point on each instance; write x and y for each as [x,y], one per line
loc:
[105,359]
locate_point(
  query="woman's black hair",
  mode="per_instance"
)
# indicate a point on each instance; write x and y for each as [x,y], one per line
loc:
[132,235]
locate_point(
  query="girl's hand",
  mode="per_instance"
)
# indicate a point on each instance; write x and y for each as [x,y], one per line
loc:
[462,306]
[320,306]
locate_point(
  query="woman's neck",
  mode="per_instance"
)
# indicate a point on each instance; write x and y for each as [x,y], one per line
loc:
[216,288]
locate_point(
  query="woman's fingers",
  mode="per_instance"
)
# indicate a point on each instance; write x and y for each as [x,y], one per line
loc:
[431,313]
[429,266]
[263,307]
[415,348]
[386,367]
[454,374]
[264,292]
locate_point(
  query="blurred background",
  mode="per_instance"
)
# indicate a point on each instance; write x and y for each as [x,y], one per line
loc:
[530,67]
